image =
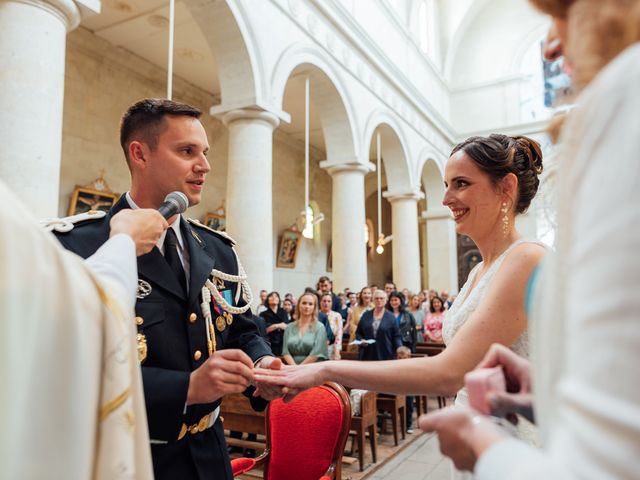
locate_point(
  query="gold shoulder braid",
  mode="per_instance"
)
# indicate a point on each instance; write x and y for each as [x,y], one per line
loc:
[210,292]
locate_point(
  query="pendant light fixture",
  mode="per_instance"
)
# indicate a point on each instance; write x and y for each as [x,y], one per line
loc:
[382,240]
[172,15]
[308,219]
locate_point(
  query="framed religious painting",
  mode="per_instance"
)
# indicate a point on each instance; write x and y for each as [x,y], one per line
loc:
[288,250]
[87,198]
[216,221]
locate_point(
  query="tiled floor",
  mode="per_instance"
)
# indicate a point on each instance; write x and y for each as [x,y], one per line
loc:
[421,460]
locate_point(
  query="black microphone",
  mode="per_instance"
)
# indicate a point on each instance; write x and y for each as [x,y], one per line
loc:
[174,203]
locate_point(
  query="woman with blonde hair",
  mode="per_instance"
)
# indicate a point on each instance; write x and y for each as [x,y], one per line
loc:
[305,340]
[586,345]
[355,313]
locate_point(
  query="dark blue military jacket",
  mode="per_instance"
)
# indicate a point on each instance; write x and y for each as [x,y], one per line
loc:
[172,325]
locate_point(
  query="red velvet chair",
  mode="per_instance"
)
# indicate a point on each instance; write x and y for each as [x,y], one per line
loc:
[305,438]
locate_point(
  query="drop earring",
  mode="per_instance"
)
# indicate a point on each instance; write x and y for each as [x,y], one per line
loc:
[505,219]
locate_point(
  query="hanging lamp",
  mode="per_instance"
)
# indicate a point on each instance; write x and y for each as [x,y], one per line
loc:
[382,240]
[172,15]
[308,220]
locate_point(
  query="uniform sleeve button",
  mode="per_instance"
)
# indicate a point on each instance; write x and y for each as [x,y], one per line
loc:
[197,355]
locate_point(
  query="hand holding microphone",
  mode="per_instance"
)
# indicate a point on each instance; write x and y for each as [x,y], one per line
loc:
[145,225]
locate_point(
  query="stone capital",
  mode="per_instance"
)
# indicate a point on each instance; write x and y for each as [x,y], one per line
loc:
[437,213]
[259,115]
[69,12]
[394,196]
[334,168]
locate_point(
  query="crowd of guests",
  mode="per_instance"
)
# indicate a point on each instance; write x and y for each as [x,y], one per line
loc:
[312,327]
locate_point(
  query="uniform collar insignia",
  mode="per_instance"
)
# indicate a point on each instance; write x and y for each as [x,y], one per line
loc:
[144,289]
[197,237]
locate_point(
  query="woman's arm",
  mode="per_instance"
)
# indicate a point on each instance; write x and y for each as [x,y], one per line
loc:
[309,359]
[273,327]
[286,356]
[288,359]
[499,319]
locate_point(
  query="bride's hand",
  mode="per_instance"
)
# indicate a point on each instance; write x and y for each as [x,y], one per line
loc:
[293,378]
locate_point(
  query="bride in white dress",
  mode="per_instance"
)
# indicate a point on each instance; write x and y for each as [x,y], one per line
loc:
[489,180]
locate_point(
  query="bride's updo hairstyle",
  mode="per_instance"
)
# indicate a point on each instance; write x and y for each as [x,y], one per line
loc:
[498,155]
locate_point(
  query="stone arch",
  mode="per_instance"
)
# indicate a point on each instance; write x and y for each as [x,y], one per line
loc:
[395,156]
[484,27]
[454,43]
[431,179]
[329,95]
[234,48]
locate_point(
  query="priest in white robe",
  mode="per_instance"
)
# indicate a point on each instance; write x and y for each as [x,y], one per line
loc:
[71,399]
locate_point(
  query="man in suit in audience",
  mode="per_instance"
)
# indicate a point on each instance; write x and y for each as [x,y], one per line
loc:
[326,286]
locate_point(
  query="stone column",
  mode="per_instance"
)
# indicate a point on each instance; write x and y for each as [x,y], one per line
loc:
[249,197]
[347,224]
[32,52]
[442,250]
[406,243]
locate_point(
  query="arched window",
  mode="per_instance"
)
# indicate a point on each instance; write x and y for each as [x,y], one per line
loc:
[427,34]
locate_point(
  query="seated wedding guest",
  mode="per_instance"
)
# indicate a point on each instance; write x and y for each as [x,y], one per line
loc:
[404,353]
[352,299]
[488,182]
[262,305]
[389,287]
[335,323]
[379,325]
[584,382]
[444,299]
[405,321]
[415,308]
[276,321]
[432,324]
[364,304]
[287,306]
[344,307]
[305,340]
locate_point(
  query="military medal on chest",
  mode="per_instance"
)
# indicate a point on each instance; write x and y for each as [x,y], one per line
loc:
[221,323]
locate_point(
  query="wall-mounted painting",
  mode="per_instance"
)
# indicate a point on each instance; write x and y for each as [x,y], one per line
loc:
[215,221]
[88,198]
[288,250]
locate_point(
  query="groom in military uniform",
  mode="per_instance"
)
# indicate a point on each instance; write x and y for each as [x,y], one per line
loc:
[195,343]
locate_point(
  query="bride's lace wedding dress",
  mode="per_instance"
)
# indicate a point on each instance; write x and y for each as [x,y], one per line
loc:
[461,310]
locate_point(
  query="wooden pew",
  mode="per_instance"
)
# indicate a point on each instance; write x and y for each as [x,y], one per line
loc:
[363,423]
[238,416]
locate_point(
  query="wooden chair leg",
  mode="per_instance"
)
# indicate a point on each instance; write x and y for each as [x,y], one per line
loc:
[361,447]
[394,423]
[403,420]
[373,441]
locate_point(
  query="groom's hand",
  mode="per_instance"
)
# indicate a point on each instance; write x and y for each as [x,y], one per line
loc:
[265,390]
